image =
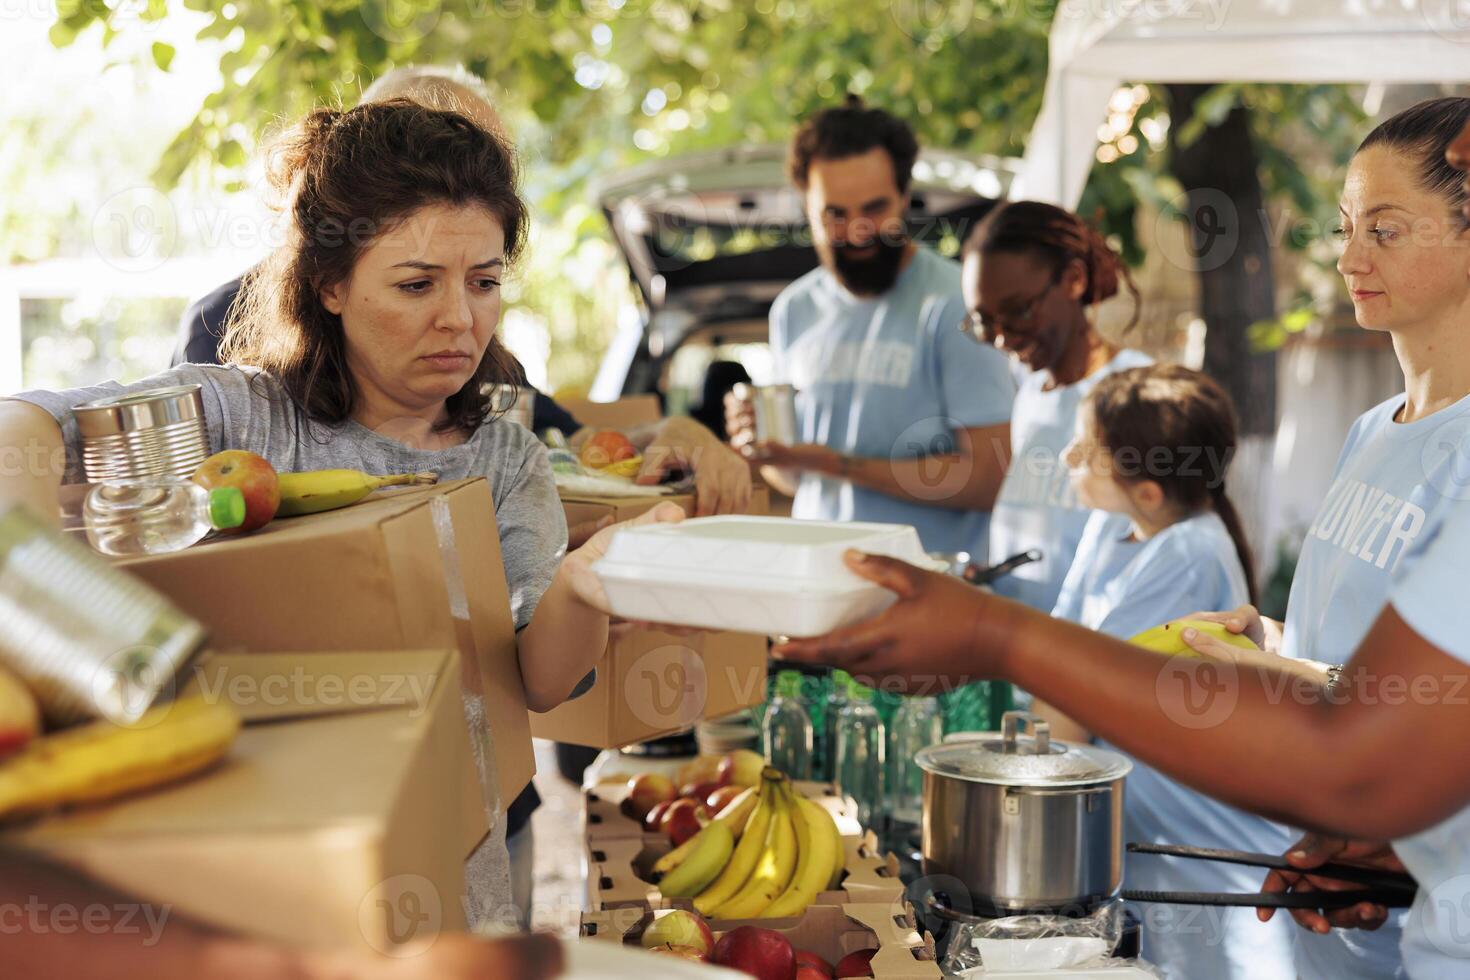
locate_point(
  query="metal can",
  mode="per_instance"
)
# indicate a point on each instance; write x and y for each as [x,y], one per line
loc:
[775,413]
[90,640]
[159,432]
[512,403]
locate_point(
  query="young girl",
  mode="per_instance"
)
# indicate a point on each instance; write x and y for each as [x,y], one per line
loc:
[1031,274]
[1152,449]
[363,343]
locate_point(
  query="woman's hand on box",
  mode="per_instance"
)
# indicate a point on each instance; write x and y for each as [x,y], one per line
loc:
[578,564]
[930,634]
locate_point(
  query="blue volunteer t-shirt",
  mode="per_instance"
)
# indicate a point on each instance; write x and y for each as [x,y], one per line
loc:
[1394,485]
[1430,598]
[1037,507]
[1121,586]
[888,377]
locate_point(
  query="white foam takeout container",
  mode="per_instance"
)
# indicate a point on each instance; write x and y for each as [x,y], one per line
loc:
[769,575]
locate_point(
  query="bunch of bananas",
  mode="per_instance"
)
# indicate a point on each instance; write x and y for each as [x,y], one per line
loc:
[766,855]
[100,760]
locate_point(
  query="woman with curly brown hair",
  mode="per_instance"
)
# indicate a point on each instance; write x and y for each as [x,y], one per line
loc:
[363,343]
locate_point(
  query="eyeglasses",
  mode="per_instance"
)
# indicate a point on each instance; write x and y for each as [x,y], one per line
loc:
[987,330]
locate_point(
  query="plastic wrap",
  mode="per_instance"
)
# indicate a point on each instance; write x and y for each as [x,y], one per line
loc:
[1037,942]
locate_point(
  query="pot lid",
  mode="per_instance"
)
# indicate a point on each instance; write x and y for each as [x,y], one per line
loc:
[1018,760]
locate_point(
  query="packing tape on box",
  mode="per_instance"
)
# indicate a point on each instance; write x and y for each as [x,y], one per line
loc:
[481,735]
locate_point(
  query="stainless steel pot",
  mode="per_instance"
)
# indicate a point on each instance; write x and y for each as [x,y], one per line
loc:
[1025,824]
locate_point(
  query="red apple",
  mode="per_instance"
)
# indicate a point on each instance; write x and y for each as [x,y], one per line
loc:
[763,953]
[699,791]
[252,476]
[655,817]
[742,768]
[679,929]
[683,819]
[700,769]
[811,973]
[722,797]
[811,961]
[647,790]
[856,964]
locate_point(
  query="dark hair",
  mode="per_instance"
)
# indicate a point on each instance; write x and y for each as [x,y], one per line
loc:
[1058,238]
[1180,427]
[345,178]
[1423,133]
[850,130]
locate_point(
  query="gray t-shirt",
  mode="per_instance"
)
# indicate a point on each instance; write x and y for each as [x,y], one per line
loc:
[245,408]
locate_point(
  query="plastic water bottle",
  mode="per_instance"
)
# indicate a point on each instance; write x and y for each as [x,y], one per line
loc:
[837,684]
[860,748]
[786,731]
[157,515]
[916,724]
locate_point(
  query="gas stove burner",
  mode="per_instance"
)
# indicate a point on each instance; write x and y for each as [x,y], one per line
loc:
[942,915]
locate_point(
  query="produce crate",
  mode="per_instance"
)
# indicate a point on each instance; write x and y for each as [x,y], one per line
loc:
[831,932]
[618,870]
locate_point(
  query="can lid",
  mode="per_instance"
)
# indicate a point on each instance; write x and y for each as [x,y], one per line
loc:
[149,409]
[226,508]
[1017,760]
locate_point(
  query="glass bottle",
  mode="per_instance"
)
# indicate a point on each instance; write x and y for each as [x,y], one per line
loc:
[786,730]
[860,749]
[837,684]
[917,724]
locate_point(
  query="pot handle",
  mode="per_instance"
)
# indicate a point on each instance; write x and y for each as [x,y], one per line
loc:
[1040,732]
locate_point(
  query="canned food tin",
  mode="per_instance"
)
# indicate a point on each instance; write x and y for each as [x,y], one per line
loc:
[90,640]
[159,432]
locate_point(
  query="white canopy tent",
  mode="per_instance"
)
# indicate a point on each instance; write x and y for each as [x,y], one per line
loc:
[1097,45]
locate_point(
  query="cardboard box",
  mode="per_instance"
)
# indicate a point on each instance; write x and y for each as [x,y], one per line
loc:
[651,683]
[903,952]
[407,569]
[625,413]
[618,870]
[336,809]
[603,818]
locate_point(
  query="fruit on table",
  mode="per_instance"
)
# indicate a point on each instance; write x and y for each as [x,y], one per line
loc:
[606,448]
[101,760]
[252,475]
[811,973]
[710,852]
[680,929]
[734,815]
[774,868]
[720,798]
[682,820]
[1169,637]
[646,791]
[655,817]
[699,791]
[856,964]
[814,864]
[683,952]
[700,769]
[20,715]
[742,768]
[813,962]
[315,491]
[762,953]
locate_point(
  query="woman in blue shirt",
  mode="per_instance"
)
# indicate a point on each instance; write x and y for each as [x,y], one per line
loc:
[1032,274]
[1376,757]
[1152,450]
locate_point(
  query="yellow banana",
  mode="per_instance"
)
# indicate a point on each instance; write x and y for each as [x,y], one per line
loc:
[709,858]
[627,468]
[774,869]
[319,490]
[734,815]
[99,761]
[814,860]
[1168,638]
[747,853]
